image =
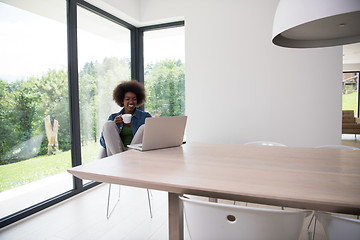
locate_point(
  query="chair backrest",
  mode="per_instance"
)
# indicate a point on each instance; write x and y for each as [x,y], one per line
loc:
[207,220]
[337,227]
[339,147]
[348,116]
[265,143]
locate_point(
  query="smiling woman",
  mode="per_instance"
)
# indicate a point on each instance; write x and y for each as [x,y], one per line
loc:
[117,132]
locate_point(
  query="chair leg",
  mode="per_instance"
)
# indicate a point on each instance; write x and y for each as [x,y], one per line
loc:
[313,235]
[108,203]
[108,214]
[148,194]
[312,217]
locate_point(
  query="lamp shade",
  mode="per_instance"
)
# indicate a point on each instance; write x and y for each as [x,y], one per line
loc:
[316,23]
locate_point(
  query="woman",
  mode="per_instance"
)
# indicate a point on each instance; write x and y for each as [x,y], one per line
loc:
[116,134]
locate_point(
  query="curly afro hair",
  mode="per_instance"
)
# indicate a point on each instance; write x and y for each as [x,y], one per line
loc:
[129,86]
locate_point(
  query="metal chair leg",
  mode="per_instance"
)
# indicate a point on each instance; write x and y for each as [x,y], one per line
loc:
[108,203]
[312,217]
[313,236]
[108,214]
[148,194]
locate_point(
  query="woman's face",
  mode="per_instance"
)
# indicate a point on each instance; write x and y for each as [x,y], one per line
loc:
[130,102]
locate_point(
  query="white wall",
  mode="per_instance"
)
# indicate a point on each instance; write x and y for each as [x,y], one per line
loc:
[240,87]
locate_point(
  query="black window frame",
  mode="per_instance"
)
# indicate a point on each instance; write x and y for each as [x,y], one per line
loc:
[137,72]
[139,47]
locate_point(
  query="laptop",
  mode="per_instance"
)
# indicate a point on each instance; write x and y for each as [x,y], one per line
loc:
[162,132]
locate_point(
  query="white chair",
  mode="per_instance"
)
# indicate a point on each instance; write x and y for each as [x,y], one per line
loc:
[265,143]
[207,220]
[337,227]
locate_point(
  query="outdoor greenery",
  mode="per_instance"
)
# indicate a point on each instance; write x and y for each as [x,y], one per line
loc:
[25,103]
[349,88]
[23,172]
[165,85]
[349,102]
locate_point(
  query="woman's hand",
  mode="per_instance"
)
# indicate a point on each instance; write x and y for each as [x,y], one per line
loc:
[118,120]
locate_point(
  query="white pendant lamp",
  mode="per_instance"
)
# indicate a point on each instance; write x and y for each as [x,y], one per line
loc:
[316,23]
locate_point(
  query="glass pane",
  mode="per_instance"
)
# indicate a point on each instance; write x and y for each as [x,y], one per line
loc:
[104,61]
[34,114]
[350,91]
[164,61]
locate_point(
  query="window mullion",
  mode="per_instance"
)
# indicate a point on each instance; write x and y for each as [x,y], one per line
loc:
[74,88]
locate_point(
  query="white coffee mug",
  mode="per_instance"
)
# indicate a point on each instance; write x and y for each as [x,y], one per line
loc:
[126,118]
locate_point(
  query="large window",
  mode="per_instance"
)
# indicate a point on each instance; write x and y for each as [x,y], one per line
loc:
[164,74]
[60,61]
[34,102]
[104,61]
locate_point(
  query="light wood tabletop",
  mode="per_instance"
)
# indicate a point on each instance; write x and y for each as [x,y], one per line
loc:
[307,178]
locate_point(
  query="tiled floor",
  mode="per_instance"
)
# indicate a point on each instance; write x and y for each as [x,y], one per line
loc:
[84,218]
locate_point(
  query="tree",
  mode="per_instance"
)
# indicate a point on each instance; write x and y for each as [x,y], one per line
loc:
[6,123]
[20,101]
[53,88]
[165,85]
[24,106]
[87,97]
[25,103]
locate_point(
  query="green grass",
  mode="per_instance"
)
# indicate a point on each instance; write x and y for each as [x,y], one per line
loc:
[21,173]
[349,102]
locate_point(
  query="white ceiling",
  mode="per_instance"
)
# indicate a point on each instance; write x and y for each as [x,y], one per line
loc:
[351,53]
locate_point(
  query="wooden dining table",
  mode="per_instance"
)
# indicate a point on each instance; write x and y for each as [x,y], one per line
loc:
[296,177]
